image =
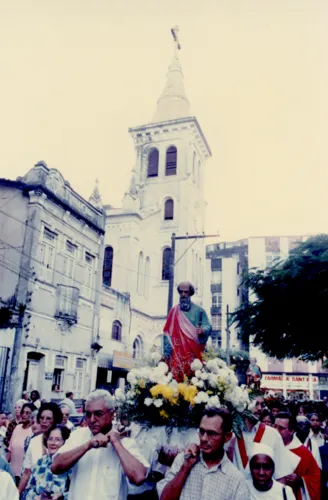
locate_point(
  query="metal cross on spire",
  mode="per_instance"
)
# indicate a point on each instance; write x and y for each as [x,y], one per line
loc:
[175,34]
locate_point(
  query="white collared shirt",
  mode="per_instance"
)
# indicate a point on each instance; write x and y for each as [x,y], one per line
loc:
[99,474]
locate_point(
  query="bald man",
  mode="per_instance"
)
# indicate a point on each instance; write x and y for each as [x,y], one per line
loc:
[185,333]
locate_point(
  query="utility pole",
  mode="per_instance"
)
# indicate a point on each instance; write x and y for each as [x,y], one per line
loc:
[228,336]
[175,238]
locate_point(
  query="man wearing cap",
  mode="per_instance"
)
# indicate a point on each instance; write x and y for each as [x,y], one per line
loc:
[254,431]
[306,478]
[185,333]
[262,485]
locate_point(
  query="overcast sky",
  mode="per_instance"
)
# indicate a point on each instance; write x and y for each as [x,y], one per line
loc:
[75,75]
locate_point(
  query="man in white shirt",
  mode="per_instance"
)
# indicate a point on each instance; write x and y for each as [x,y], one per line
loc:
[262,485]
[101,462]
[68,401]
[8,490]
[303,434]
[254,431]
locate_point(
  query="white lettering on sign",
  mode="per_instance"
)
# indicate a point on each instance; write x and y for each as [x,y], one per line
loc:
[271,381]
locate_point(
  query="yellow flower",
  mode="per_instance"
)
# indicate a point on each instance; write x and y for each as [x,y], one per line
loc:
[163,414]
[141,383]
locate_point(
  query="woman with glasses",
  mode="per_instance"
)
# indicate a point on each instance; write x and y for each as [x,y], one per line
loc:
[43,483]
[49,416]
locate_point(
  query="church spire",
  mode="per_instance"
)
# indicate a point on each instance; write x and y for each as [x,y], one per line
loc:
[95,198]
[173,102]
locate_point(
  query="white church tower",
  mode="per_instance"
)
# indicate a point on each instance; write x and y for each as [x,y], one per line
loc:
[166,195]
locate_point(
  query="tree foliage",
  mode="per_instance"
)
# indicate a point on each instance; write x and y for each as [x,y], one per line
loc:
[287,315]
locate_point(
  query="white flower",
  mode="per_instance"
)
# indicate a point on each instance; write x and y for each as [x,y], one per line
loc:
[163,367]
[131,378]
[130,394]
[212,366]
[194,381]
[158,403]
[214,402]
[148,401]
[204,375]
[198,373]
[155,356]
[119,395]
[202,397]
[213,380]
[196,365]
[200,384]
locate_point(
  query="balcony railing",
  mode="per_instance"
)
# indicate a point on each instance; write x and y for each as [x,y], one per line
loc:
[67,303]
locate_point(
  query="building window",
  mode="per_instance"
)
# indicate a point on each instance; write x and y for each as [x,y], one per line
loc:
[47,254]
[137,348]
[216,264]
[108,266]
[69,260]
[58,377]
[147,277]
[171,161]
[216,299]
[216,322]
[88,274]
[166,262]
[169,209]
[153,163]
[79,375]
[117,331]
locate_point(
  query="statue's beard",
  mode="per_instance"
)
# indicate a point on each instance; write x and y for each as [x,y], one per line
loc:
[185,303]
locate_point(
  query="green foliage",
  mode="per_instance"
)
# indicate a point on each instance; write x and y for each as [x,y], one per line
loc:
[288,317]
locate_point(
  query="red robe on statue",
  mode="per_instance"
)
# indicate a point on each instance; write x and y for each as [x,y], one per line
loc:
[308,470]
[185,343]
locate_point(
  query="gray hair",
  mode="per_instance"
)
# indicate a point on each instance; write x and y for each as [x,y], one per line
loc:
[101,394]
[301,418]
[67,407]
[21,402]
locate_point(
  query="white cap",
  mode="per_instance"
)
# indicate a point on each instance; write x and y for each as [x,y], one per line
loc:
[262,449]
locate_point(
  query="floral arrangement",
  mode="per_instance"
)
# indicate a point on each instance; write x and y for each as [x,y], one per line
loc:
[154,398]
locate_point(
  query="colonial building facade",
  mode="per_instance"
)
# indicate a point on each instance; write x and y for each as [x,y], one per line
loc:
[52,245]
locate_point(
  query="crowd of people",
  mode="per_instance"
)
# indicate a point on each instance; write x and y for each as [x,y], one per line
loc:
[282,453]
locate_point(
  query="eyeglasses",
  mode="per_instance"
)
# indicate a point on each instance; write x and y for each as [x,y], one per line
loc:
[210,434]
[55,440]
[97,414]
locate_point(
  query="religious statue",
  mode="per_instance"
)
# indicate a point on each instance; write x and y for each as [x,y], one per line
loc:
[185,333]
[254,374]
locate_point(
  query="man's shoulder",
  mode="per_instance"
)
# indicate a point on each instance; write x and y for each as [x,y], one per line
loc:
[230,469]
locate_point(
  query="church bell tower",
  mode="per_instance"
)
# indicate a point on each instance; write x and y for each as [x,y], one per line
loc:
[167,185]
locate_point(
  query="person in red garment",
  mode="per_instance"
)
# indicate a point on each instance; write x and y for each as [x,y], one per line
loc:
[306,479]
[185,333]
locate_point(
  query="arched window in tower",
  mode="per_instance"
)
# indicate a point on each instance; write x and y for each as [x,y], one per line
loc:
[171,161]
[169,209]
[140,277]
[147,277]
[108,266]
[117,331]
[153,163]
[166,262]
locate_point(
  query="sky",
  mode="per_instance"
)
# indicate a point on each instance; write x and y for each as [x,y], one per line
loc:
[75,75]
